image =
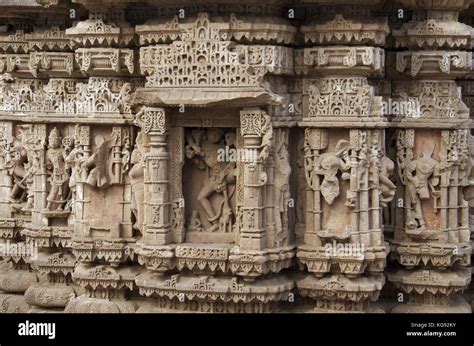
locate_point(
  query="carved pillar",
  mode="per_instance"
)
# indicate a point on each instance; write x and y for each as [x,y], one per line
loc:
[345,164]
[252,232]
[154,124]
[432,237]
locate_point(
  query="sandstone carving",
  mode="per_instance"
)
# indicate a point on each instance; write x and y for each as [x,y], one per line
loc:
[228,157]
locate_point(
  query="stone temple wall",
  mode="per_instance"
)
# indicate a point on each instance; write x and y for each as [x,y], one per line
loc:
[236,156]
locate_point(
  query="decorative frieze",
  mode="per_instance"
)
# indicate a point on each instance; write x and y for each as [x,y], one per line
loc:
[347,31]
[68,96]
[232,28]
[51,64]
[104,28]
[105,61]
[425,64]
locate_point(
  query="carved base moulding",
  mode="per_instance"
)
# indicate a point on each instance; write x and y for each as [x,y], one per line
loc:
[435,291]
[337,293]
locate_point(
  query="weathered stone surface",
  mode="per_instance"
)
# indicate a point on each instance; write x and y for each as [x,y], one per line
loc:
[225,156]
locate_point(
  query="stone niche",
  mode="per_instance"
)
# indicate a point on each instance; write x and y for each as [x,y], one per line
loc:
[210,178]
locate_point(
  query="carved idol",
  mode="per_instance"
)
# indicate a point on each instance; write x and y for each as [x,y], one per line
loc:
[418,183]
[100,164]
[31,147]
[301,196]
[74,161]
[15,160]
[56,165]
[282,176]
[221,175]
[328,165]
[124,98]
[193,148]
[387,187]
[267,131]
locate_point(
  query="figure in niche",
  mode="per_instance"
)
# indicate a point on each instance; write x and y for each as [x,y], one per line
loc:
[194,223]
[328,165]
[124,97]
[100,164]
[421,175]
[465,166]
[468,190]
[387,187]
[366,167]
[282,176]
[59,177]
[221,175]
[29,154]
[15,160]
[136,175]
[193,148]
[74,161]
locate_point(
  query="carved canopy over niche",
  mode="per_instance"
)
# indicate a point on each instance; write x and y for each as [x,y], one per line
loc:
[49,39]
[201,54]
[14,42]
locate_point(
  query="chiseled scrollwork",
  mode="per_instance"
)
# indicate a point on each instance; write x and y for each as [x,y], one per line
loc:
[437,99]
[340,97]
[151,120]
[212,58]
[70,96]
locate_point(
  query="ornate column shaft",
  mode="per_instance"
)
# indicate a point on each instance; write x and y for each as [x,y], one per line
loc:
[154,124]
[255,124]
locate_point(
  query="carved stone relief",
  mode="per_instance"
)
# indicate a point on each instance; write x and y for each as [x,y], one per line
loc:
[235,158]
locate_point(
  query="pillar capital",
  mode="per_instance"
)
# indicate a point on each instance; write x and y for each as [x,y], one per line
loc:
[152,120]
